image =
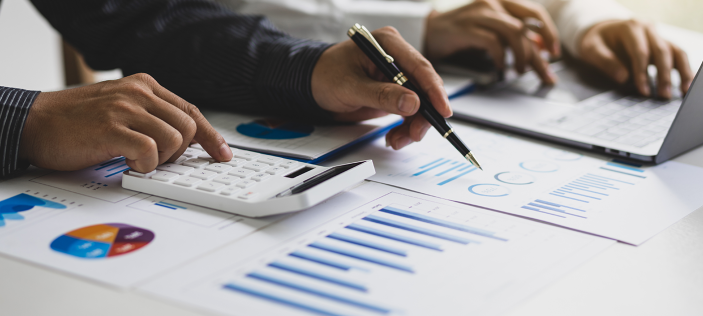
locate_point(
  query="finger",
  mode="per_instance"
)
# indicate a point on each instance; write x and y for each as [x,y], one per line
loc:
[416,68]
[510,29]
[139,150]
[177,119]
[418,128]
[637,47]
[489,41]
[206,135]
[168,139]
[662,58]
[525,9]
[598,53]
[399,137]
[681,64]
[541,66]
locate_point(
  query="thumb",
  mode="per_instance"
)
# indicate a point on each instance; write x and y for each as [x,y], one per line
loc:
[387,97]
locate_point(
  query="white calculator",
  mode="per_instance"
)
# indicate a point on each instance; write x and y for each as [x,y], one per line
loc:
[251,184]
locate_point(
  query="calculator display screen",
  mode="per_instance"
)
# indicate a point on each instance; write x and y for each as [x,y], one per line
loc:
[298,172]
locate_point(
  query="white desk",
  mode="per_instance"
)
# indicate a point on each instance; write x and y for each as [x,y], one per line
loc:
[661,277]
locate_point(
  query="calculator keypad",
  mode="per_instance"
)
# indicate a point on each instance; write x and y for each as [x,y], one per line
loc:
[239,178]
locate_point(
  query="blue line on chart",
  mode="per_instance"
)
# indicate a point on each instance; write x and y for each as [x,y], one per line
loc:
[119,166]
[319,276]
[111,162]
[553,209]
[396,237]
[118,172]
[573,187]
[278,299]
[324,261]
[560,191]
[417,229]
[431,163]
[173,205]
[302,288]
[430,168]
[360,256]
[597,182]
[457,176]
[558,205]
[467,167]
[439,222]
[589,184]
[450,169]
[570,198]
[629,174]
[166,206]
[611,179]
[624,167]
[368,244]
[537,210]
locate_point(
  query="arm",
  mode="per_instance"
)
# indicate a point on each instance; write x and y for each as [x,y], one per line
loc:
[14,109]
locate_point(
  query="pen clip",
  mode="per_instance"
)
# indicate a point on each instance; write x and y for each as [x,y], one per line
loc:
[357,28]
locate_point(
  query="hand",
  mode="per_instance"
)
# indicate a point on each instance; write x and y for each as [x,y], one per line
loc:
[624,49]
[132,117]
[489,25]
[346,82]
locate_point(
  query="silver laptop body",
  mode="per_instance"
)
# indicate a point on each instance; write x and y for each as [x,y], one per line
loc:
[584,110]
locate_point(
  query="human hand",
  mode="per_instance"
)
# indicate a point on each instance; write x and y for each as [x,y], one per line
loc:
[490,25]
[345,81]
[624,49]
[132,117]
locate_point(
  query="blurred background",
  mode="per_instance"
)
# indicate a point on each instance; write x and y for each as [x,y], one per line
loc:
[33,56]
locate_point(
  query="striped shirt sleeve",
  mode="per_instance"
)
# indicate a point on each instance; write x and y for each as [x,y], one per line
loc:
[14,108]
[203,52]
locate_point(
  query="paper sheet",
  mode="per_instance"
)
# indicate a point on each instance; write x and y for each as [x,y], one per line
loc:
[378,250]
[568,188]
[84,223]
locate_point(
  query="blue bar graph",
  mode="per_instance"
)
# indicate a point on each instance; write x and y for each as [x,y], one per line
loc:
[570,187]
[439,222]
[557,205]
[118,172]
[570,198]
[396,237]
[538,210]
[563,191]
[597,182]
[467,167]
[323,261]
[360,256]
[592,185]
[302,288]
[162,203]
[457,176]
[553,209]
[278,299]
[624,167]
[417,229]
[430,168]
[450,169]
[431,163]
[609,179]
[622,172]
[319,276]
[111,162]
[368,244]
[166,206]
[118,166]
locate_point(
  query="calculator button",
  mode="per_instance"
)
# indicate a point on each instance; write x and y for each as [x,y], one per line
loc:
[236,162]
[164,176]
[256,166]
[260,176]
[289,164]
[226,179]
[218,167]
[210,186]
[203,174]
[275,170]
[180,160]
[171,167]
[141,175]
[248,155]
[270,160]
[187,181]
[196,163]
[247,195]
[246,184]
[239,172]
[230,190]
[192,152]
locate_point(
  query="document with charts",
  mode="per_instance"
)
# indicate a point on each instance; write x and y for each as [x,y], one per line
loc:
[610,198]
[379,250]
[289,138]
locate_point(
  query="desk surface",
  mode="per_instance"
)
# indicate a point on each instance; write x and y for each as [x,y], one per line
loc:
[663,276]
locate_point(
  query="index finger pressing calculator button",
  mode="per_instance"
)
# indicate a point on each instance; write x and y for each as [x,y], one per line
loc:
[252,184]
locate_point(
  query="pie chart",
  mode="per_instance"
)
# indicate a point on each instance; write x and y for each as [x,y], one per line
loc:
[275,129]
[102,241]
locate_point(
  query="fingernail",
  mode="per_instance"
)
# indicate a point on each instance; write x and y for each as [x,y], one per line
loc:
[402,142]
[225,152]
[406,104]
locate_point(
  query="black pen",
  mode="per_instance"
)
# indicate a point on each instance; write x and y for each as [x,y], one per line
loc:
[368,44]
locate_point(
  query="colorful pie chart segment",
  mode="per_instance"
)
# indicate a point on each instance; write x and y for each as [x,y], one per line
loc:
[102,240]
[275,129]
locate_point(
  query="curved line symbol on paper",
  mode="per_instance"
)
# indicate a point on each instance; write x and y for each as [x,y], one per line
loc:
[10,208]
[102,241]
[516,178]
[489,190]
[275,129]
[539,166]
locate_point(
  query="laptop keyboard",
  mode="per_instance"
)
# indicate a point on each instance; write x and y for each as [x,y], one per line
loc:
[628,120]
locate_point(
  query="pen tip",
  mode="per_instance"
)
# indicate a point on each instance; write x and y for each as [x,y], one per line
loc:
[470,157]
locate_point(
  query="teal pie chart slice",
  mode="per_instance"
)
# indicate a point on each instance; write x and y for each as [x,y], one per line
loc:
[275,129]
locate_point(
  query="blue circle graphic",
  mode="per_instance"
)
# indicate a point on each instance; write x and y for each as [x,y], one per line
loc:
[489,190]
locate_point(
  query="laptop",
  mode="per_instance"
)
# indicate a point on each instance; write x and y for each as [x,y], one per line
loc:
[588,111]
